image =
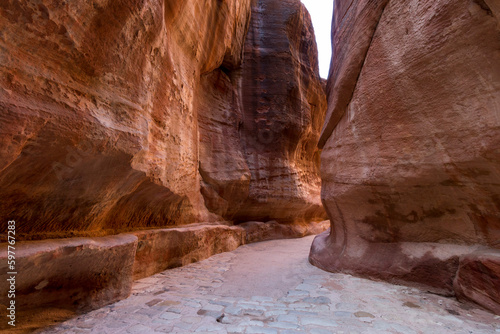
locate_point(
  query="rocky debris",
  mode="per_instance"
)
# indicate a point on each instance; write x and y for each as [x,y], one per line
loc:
[410,143]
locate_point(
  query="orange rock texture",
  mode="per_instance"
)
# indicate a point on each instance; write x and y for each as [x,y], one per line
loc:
[410,160]
[128,114]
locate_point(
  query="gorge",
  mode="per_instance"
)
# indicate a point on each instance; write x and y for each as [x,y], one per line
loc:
[139,136]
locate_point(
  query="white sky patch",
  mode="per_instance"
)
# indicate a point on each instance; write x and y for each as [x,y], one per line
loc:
[321,14]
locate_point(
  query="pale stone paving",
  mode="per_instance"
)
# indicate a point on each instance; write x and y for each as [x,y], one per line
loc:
[271,288]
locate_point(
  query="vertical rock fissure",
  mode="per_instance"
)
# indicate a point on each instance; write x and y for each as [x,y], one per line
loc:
[343,91]
[364,60]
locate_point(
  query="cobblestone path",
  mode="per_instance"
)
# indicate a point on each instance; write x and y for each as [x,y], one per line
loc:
[271,288]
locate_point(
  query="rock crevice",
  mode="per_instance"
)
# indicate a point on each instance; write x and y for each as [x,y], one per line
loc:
[348,64]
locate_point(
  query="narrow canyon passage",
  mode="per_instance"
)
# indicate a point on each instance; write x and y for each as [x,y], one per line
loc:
[141,136]
[270,287]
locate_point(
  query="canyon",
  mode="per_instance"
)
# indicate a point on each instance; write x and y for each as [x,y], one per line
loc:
[410,159]
[141,136]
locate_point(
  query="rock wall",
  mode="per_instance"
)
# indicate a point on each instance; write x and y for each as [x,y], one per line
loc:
[280,120]
[128,114]
[259,161]
[410,160]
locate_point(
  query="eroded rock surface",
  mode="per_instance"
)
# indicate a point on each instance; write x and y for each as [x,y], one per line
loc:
[410,143]
[478,279]
[99,129]
[121,115]
[158,250]
[162,249]
[54,277]
[260,123]
[260,231]
[57,279]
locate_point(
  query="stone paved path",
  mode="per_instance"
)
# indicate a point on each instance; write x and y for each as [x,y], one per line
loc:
[271,288]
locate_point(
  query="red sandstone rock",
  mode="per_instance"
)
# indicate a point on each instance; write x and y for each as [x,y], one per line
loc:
[121,115]
[259,231]
[225,176]
[478,279]
[410,144]
[124,115]
[158,250]
[57,279]
[283,109]
[99,129]
[259,125]
[74,274]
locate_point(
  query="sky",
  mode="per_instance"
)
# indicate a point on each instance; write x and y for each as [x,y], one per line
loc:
[321,13]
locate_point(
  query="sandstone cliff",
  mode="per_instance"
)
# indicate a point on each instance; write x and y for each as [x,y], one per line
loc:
[122,115]
[410,145]
[144,117]
[259,159]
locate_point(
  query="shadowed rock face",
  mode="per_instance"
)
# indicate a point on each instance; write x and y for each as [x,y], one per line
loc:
[280,120]
[121,115]
[260,161]
[410,143]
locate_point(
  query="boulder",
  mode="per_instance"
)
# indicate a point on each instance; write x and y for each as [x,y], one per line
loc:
[478,279]
[70,275]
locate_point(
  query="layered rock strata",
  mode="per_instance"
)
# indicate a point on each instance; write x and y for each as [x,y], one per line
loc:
[410,145]
[123,115]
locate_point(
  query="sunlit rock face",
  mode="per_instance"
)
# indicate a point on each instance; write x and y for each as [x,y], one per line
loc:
[98,125]
[410,160]
[122,115]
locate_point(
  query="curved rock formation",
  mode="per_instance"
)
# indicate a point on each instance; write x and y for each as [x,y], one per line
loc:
[410,143]
[98,126]
[283,106]
[122,115]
